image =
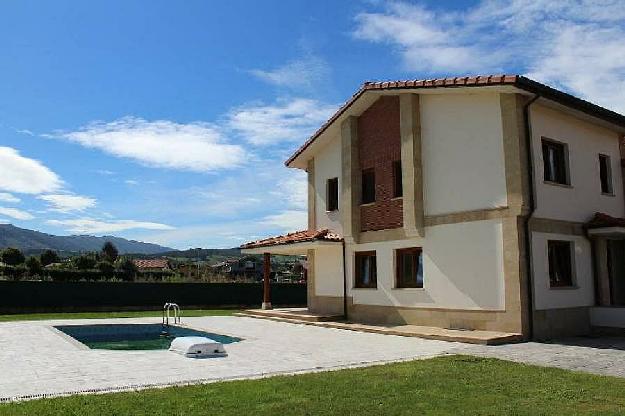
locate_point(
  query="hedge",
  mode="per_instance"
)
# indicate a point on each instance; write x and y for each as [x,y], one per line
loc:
[32,296]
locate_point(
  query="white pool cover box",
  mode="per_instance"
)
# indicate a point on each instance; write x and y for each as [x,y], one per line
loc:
[197,347]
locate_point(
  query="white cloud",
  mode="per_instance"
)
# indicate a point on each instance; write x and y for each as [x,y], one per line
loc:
[576,45]
[198,146]
[68,203]
[289,220]
[131,182]
[305,72]
[286,120]
[6,197]
[25,131]
[105,172]
[94,226]
[15,213]
[4,221]
[294,190]
[20,174]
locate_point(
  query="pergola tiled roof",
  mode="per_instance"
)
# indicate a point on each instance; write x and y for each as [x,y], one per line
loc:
[601,220]
[517,81]
[295,237]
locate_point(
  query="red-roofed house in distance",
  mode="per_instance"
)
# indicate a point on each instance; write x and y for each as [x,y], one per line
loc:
[152,265]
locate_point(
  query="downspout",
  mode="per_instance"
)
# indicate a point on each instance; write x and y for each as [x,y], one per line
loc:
[344,284]
[530,214]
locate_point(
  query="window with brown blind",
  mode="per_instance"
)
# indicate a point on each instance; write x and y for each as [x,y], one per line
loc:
[409,267]
[368,186]
[605,174]
[555,162]
[560,263]
[366,275]
[398,189]
[332,198]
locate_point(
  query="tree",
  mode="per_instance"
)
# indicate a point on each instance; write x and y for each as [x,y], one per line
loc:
[105,267]
[110,252]
[34,265]
[12,256]
[85,261]
[129,268]
[49,257]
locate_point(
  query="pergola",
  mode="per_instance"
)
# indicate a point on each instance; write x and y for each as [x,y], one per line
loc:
[293,244]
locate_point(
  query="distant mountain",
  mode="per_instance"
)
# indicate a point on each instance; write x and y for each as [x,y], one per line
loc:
[203,253]
[31,241]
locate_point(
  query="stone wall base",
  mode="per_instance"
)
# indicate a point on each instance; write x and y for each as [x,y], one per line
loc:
[559,323]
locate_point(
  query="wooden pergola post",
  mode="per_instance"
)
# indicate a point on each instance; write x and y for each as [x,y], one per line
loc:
[266,281]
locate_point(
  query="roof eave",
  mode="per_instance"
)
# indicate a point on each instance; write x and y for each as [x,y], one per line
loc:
[518,81]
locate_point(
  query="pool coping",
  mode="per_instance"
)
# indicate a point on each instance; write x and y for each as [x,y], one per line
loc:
[83,347]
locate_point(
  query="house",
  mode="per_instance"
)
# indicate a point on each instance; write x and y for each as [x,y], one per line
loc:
[248,266]
[488,202]
[152,265]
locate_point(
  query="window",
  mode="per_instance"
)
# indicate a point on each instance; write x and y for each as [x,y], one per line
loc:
[397,184]
[560,263]
[368,186]
[332,189]
[605,174]
[409,262]
[366,270]
[555,162]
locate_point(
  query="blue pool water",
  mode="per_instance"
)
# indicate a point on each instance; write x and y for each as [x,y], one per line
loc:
[135,336]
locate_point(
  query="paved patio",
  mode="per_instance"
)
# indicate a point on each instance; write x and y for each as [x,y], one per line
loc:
[35,361]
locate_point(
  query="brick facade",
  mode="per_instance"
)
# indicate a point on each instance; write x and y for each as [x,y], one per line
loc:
[379,145]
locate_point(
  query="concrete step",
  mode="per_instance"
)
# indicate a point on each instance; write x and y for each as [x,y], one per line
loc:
[297,314]
[417,331]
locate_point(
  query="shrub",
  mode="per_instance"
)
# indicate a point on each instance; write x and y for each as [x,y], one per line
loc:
[106,268]
[49,257]
[34,265]
[128,268]
[12,256]
[85,261]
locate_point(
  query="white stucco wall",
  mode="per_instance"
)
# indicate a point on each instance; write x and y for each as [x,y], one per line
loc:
[583,292]
[327,166]
[329,271]
[463,269]
[463,159]
[585,141]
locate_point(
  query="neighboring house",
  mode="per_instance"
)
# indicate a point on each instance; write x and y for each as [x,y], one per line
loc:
[248,266]
[434,191]
[152,265]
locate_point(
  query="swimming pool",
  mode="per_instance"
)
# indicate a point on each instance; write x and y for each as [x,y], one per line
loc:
[134,336]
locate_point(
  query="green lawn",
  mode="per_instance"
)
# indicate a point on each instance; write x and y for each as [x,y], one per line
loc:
[101,315]
[442,386]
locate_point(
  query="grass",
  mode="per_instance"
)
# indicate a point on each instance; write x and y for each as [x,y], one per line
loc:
[102,315]
[452,385]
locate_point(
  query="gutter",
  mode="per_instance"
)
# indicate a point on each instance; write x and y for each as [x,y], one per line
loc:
[344,284]
[530,214]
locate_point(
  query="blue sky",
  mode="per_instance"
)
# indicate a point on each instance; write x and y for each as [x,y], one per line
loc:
[170,121]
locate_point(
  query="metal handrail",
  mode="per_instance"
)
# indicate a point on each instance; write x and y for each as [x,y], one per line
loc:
[177,313]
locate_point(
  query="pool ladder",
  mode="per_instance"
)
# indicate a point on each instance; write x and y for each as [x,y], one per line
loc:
[167,308]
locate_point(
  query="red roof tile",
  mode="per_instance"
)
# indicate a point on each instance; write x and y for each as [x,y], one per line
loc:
[601,220]
[151,263]
[474,82]
[296,237]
